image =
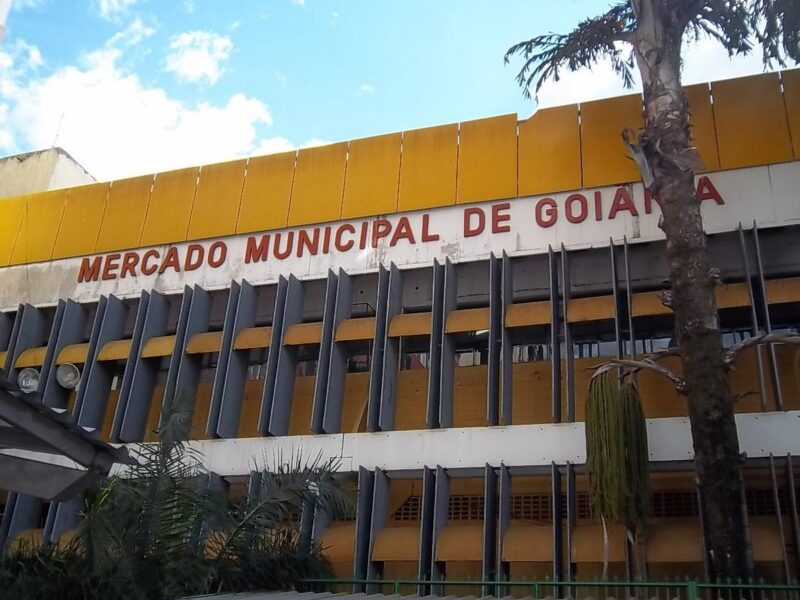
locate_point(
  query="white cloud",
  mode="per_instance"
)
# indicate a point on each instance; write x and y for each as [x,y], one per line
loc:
[116,125]
[704,60]
[314,142]
[112,10]
[198,55]
[365,89]
[131,35]
[25,4]
[299,2]
[280,77]
[188,6]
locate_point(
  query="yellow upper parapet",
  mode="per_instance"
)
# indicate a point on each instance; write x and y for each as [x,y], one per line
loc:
[741,122]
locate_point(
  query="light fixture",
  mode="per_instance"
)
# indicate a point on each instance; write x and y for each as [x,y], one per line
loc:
[68,376]
[28,380]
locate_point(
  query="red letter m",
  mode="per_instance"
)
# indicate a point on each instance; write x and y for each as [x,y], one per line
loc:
[90,269]
[256,250]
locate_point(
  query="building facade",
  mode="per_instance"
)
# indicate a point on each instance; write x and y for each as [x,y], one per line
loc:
[425,306]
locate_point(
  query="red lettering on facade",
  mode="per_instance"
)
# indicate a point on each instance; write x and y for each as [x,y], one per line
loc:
[150,262]
[256,249]
[473,227]
[403,232]
[598,206]
[110,266]
[706,190]
[195,253]
[89,269]
[171,261]
[622,201]
[276,247]
[546,212]
[130,260]
[576,215]
[648,201]
[500,217]
[427,236]
[217,253]
[340,231]
[362,241]
[326,240]
[308,242]
[380,229]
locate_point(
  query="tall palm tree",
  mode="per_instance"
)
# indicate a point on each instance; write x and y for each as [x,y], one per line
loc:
[648,35]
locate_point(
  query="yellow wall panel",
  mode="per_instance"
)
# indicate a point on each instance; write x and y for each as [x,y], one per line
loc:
[39,227]
[170,207]
[704,133]
[11,213]
[80,225]
[487,159]
[266,193]
[752,128]
[791,96]
[318,184]
[550,151]
[428,168]
[125,212]
[373,173]
[216,202]
[604,157]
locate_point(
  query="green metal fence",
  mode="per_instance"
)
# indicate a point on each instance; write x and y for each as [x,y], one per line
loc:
[579,590]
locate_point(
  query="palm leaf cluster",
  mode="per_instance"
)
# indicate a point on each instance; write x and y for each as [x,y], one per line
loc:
[163,530]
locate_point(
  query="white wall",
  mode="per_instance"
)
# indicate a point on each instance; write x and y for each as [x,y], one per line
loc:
[40,171]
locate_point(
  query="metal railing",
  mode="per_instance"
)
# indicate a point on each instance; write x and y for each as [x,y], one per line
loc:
[687,589]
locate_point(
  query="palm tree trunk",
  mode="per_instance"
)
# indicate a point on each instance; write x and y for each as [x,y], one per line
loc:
[666,143]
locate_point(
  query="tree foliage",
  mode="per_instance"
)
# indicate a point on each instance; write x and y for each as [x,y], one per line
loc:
[739,25]
[161,531]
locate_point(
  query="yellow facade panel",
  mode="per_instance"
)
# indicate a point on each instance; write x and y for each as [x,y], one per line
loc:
[266,192]
[32,357]
[460,543]
[253,337]
[396,543]
[373,173]
[11,212]
[783,291]
[704,133]
[124,216]
[428,168]
[355,329]
[604,157]
[528,543]
[39,227]
[80,225]
[74,353]
[410,324]
[216,202]
[467,319]
[597,308]
[170,207]
[303,333]
[161,345]
[526,314]
[791,96]
[752,128]
[732,295]
[487,159]
[318,184]
[202,343]
[115,350]
[645,304]
[550,151]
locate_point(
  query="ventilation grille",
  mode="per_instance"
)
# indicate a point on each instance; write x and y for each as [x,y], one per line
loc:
[539,507]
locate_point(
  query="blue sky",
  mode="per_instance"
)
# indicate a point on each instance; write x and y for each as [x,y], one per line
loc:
[134,86]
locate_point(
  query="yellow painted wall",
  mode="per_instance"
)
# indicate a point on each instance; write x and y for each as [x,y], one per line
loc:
[428,168]
[737,123]
[318,184]
[373,176]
